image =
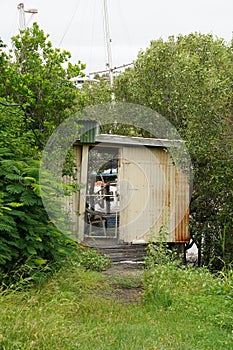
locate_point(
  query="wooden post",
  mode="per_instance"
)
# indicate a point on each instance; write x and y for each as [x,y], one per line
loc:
[83,191]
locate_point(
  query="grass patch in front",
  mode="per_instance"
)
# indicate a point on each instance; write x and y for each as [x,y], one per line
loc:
[182,309]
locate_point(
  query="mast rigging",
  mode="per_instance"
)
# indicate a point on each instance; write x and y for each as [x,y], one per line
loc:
[108,43]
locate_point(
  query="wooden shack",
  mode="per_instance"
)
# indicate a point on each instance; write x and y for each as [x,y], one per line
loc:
[132,191]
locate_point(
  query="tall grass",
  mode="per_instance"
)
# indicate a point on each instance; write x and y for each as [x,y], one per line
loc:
[182,308]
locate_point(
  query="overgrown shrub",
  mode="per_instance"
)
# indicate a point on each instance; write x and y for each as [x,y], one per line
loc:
[26,233]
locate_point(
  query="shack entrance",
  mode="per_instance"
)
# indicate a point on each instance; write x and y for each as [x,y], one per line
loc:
[102,193]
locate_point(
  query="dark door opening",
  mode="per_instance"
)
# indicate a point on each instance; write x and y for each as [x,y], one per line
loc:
[102,197]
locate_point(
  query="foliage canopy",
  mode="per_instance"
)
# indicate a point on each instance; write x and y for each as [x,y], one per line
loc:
[189,81]
[37,77]
[36,95]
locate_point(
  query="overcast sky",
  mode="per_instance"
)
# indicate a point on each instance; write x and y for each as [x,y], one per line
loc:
[77,25]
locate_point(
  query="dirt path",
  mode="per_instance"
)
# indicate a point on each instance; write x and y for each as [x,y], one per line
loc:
[126,281]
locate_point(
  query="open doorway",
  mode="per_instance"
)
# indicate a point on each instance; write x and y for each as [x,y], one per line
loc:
[103,194]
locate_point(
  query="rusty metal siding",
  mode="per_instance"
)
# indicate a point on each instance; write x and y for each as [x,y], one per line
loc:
[181,210]
[153,196]
[174,197]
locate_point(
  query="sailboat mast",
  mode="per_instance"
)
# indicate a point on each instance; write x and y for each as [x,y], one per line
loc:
[108,42]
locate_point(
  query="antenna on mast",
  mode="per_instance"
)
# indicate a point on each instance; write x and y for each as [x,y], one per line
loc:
[22,11]
[108,43]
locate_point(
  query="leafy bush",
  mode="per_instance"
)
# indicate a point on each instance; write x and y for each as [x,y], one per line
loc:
[26,233]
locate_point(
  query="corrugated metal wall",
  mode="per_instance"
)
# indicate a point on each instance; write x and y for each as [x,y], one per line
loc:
[154,196]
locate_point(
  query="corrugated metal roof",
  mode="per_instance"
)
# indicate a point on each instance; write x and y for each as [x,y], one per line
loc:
[136,141]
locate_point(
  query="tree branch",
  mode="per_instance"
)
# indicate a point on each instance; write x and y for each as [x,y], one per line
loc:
[10,105]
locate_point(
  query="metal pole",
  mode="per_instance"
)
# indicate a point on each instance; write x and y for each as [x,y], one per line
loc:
[22,19]
[22,22]
[108,42]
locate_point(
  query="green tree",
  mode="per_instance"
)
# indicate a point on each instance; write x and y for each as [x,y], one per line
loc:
[189,81]
[35,96]
[37,77]
[95,93]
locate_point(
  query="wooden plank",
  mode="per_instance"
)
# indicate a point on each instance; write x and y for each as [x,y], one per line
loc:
[82,200]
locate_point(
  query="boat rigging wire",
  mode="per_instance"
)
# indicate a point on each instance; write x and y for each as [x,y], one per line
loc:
[92,33]
[110,69]
[69,24]
[108,41]
[113,69]
[123,25]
